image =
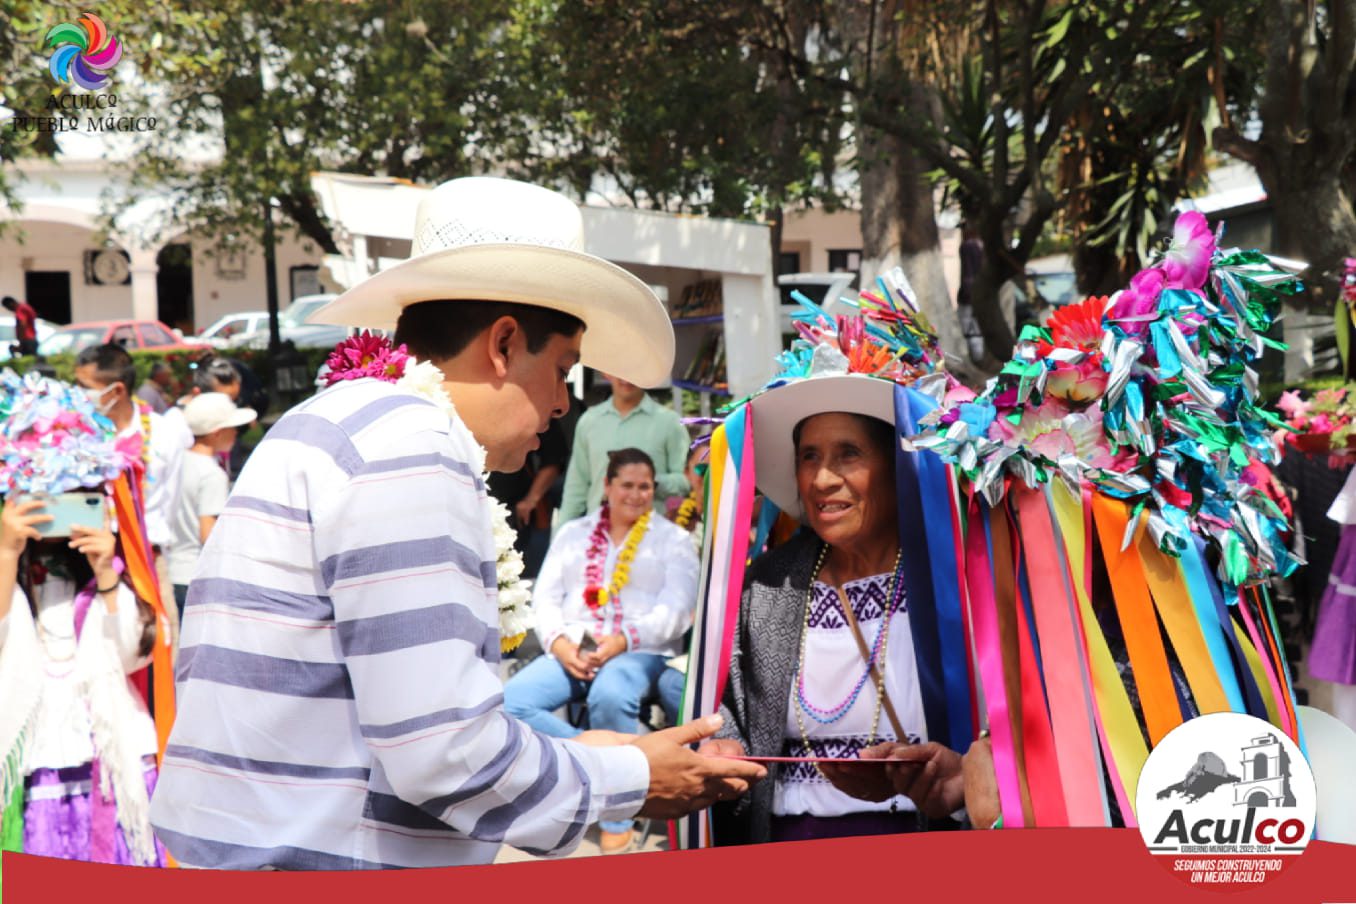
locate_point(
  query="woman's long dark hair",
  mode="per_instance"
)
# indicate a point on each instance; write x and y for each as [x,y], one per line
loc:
[75,563]
[81,573]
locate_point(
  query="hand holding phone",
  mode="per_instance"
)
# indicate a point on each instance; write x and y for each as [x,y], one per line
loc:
[67,510]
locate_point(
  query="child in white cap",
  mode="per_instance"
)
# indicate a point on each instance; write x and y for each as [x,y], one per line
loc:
[203,486]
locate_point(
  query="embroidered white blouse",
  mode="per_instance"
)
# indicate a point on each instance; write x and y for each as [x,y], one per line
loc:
[833,664]
[656,603]
[62,731]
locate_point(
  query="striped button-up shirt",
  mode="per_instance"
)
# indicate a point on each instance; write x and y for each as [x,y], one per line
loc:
[339,698]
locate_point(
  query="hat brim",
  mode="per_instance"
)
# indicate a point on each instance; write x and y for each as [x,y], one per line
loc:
[777,412]
[241,417]
[628,332]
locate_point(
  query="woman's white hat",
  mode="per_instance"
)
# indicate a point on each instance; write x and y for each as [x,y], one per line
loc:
[491,239]
[777,411]
[211,411]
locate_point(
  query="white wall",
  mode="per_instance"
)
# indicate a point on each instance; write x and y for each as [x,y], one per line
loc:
[813,233]
[214,295]
[58,246]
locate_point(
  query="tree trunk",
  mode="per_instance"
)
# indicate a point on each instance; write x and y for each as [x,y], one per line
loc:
[899,229]
[999,266]
[1314,222]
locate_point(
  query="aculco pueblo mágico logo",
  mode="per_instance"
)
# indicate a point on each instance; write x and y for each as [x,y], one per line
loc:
[1228,799]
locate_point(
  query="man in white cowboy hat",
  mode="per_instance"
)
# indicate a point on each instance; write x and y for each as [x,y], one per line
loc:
[340,705]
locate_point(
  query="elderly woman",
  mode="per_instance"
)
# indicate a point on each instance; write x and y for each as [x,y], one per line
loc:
[613,599]
[823,661]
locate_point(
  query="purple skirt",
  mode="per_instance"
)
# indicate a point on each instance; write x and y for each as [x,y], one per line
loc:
[60,817]
[1333,654]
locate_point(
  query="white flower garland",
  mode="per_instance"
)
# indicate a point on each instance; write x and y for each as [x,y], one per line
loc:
[425,380]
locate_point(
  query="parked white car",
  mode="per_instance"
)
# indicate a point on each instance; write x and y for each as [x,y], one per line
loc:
[292,326]
[231,328]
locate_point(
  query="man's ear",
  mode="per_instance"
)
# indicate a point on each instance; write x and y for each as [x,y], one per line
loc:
[500,338]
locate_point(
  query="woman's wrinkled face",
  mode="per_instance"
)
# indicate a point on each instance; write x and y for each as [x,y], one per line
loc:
[630,493]
[846,483]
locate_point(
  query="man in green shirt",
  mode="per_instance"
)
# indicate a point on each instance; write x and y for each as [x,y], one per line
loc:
[629,419]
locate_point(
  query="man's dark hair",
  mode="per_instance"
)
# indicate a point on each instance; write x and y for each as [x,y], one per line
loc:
[438,330]
[112,363]
[10,302]
[620,458]
[159,368]
[211,374]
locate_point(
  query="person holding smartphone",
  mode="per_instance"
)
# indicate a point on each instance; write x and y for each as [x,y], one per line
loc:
[613,599]
[71,632]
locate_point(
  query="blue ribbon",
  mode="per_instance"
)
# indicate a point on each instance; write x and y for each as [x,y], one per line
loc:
[1197,580]
[928,550]
[1251,694]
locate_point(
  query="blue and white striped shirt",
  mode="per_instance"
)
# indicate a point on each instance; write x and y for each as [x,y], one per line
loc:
[339,698]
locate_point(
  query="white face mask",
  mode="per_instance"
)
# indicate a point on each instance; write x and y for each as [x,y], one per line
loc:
[96,397]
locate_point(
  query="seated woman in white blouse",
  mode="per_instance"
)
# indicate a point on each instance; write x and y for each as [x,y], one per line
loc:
[614,596]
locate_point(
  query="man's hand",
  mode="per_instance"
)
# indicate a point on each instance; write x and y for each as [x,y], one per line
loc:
[567,654]
[682,780]
[609,647]
[523,510]
[981,784]
[602,738]
[929,774]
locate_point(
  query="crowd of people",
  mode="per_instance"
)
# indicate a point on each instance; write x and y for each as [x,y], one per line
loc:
[340,700]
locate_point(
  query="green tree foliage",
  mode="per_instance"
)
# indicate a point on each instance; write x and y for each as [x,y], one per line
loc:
[256,96]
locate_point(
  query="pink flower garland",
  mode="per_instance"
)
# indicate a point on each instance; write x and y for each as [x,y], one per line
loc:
[597,555]
[366,355]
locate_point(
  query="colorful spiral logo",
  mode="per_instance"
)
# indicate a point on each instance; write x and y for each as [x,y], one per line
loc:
[85,51]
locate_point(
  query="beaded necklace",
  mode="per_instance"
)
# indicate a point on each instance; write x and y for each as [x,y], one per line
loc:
[878,651]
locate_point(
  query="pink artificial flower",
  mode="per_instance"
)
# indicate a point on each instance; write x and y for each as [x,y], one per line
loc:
[1320,423]
[958,393]
[1187,262]
[1052,431]
[1330,398]
[1137,306]
[1081,382]
[1292,405]
[366,355]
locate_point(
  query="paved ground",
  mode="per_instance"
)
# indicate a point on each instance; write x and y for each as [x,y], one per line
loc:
[656,841]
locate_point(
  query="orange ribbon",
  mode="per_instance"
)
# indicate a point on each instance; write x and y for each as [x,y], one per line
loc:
[1139,625]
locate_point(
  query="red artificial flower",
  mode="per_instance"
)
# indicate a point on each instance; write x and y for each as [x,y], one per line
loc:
[1077,325]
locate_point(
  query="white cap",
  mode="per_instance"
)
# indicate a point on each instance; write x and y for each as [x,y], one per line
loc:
[212,411]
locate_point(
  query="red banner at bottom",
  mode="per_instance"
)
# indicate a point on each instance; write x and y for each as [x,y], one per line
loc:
[1103,865]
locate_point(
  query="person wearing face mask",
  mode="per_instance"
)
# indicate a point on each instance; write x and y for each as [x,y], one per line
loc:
[612,601]
[108,377]
[77,740]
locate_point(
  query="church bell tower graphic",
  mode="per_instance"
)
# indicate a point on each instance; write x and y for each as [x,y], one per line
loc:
[1266,775]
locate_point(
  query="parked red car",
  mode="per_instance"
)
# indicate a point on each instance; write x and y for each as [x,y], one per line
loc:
[131,334]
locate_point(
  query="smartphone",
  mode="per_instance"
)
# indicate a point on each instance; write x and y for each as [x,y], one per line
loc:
[70,509]
[587,644]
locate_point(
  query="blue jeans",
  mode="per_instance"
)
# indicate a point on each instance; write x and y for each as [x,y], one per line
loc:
[671,693]
[544,686]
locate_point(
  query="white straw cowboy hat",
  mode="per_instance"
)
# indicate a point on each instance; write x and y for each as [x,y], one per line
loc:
[777,411]
[492,239]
